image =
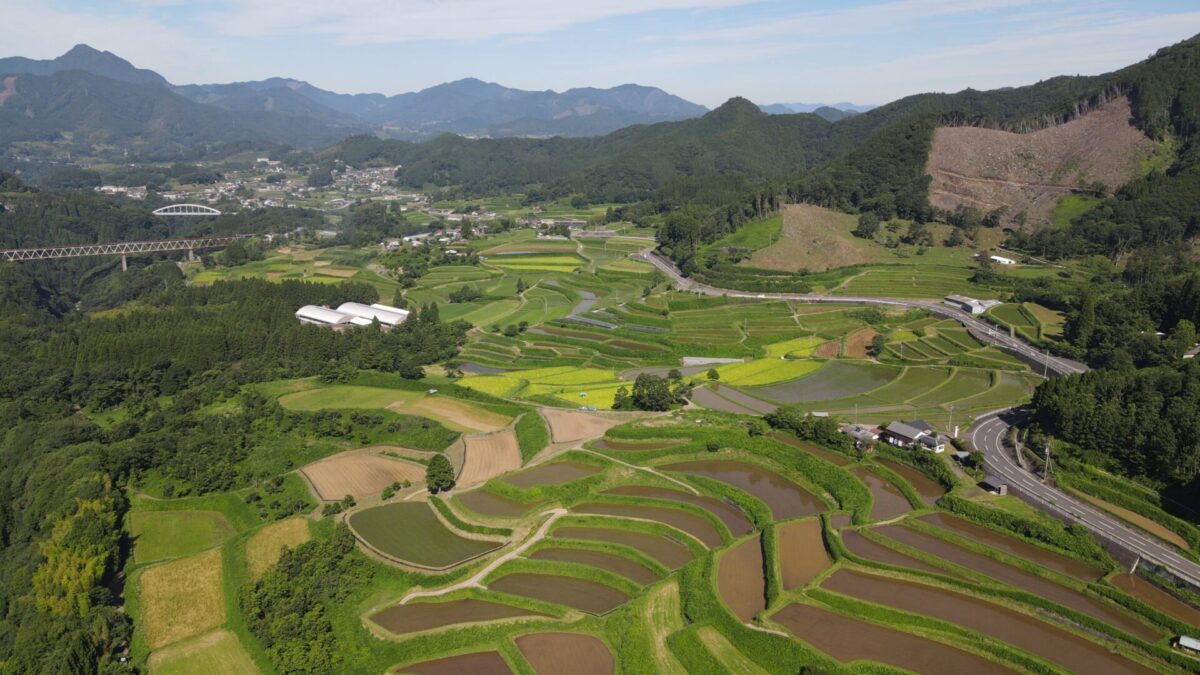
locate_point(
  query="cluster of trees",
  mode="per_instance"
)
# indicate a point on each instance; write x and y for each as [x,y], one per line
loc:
[806,426]
[286,608]
[1144,422]
[439,475]
[651,392]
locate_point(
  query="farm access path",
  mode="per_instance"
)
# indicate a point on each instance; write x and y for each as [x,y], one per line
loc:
[990,430]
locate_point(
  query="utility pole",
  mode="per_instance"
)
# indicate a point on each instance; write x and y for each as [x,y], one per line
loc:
[1046,473]
[953,431]
[1045,363]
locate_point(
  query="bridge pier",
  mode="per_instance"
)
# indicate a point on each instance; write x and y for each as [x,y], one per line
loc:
[191,255]
[124,263]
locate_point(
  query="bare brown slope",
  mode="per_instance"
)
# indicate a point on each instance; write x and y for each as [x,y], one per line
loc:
[987,168]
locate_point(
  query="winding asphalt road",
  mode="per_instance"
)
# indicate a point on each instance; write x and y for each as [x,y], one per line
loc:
[989,431]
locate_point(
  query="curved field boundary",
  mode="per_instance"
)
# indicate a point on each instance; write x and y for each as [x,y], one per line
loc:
[647,469]
[475,581]
[408,563]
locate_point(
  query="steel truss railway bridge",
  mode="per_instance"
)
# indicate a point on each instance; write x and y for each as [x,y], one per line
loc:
[123,248]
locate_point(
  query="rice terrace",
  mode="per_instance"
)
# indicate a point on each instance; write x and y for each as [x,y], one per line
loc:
[768,514]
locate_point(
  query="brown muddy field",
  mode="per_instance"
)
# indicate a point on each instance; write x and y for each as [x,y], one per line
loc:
[614,444]
[561,653]
[670,554]
[582,594]
[740,579]
[1059,563]
[630,569]
[421,616]
[841,520]
[479,663]
[889,501]
[847,639]
[865,548]
[782,496]
[679,519]
[554,473]
[1044,588]
[1157,598]
[930,490]
[833,457]
[1024,631]
[487,504]
[802,554]
[731,515]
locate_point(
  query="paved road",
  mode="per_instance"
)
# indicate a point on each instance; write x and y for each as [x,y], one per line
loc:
[987,435]
[989,431]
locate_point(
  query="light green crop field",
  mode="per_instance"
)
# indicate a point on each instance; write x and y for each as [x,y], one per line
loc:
[162,535]
[410,532]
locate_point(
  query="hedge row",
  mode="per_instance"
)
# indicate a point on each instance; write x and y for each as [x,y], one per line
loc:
[1073,540]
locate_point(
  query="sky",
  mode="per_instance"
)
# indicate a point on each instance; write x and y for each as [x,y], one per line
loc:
[707,51]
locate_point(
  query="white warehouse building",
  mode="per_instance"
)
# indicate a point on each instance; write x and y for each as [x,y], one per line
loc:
[352,314]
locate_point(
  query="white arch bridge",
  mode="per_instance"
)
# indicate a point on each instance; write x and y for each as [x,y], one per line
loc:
[186,210]
[123,248]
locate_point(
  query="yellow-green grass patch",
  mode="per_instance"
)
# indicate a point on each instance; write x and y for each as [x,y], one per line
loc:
[265,546]
[182,598]
[798,347]
[766,371]
[160,535]
[216,653]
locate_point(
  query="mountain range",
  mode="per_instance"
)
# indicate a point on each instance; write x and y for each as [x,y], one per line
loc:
[81,92]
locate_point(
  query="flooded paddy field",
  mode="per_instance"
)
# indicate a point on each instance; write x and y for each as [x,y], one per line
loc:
[575,653]
[630,569]
[554,473]
[421,616]
[679,519]
[733,517]
[1094,607]
[1157,598]
[582,594]
[983,535]
[802,554]
[870,550]
[671,554]
[479,663]
[1021,630]
[817,451]
[847,639]
[488,504]
[929,489]
[889,501]
[782,496]
[740,579]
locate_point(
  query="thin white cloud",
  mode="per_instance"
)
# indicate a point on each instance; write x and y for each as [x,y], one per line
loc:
[356,22]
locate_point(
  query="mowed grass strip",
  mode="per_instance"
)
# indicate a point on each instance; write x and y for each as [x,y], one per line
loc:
[411,532]
[265,546]
[160,535]
[182,598]
[214,653]
[766,371]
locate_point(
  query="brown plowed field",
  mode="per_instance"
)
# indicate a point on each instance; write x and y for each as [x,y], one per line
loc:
[359,473]
[489,456]
[857,343]
[814,239]
[988,168]
[458,413]
[568,426]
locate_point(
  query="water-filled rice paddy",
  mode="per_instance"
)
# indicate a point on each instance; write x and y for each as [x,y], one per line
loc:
[740,579]
[733,517]
[838,379]
[783,497]
[574,653]
[1021,630]
[1022,549]
[802,554]
[490,504]
[889,501]
[626,567]
[670,554]
[847,639]
[582,594]
[679,519]
[1035,584]
[929,490]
